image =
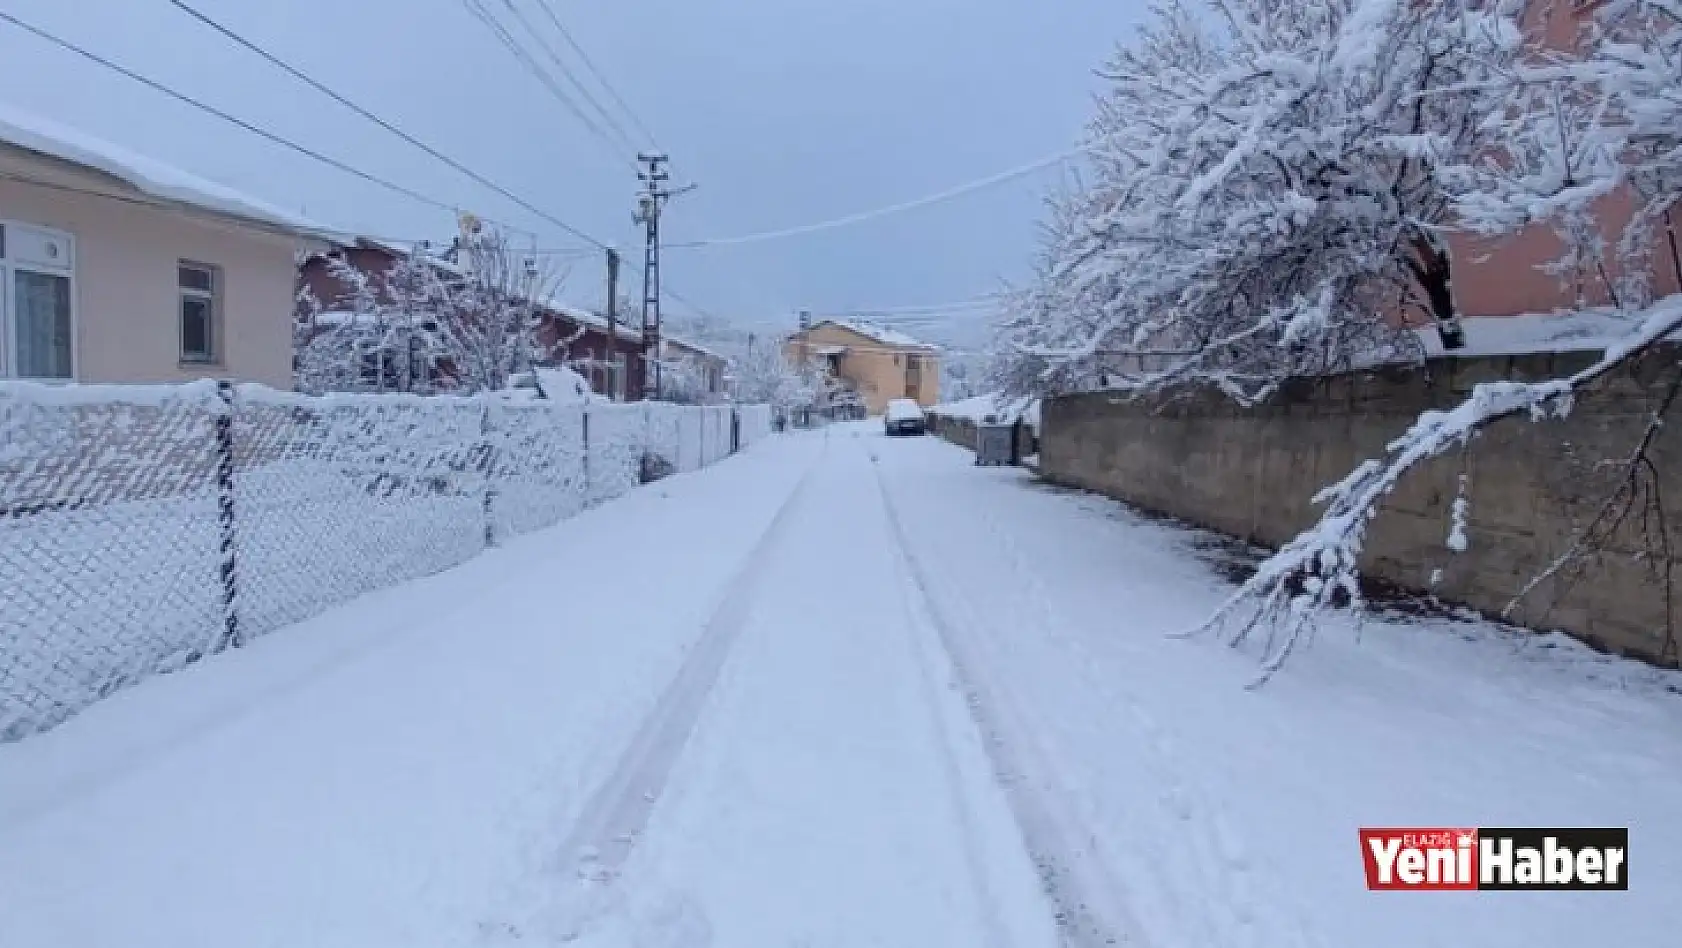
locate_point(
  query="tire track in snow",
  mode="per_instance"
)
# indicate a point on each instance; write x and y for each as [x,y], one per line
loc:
[615,817]
[1224,889]
[1089,906]
[920,628]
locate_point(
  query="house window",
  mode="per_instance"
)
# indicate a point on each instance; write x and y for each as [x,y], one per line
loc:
[200,331]
[37,303]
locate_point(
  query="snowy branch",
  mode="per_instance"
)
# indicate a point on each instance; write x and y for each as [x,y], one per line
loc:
[1320,567]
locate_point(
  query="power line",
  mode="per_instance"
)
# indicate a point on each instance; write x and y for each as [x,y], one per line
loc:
[697,310]
[554,57]
[388,126]
[224,116]
[928,309]
[549,9]
[524,57]
[862,216]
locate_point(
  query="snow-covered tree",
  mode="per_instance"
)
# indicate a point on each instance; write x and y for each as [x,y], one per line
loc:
[464,322]
[1271,185]
[1638,57]
[369,340]
[488,313]
[683,381]
[1267,192]
[765,376]
[1578,124]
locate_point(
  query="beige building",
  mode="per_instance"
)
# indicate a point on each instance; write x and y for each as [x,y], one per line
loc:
[117,268]
[878,363]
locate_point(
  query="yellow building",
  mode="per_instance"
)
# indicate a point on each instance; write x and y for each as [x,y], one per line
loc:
[878,363]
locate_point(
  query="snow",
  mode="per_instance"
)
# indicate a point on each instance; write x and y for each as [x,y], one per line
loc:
[560,385]
[622,327]
[1457,540]
[691,347]
[1003,410]
[76,394]
[988,730]
[339,318]
[147,175]
[904,409]
[878,333]
[1574,331]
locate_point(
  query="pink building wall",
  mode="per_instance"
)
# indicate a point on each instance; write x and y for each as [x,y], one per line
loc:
[1502,276]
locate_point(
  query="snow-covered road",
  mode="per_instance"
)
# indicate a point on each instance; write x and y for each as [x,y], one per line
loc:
[841,690]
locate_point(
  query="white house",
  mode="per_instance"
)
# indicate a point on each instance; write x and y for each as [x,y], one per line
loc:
[118,268]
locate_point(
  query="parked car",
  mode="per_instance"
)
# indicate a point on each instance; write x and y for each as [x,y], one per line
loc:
[904,416]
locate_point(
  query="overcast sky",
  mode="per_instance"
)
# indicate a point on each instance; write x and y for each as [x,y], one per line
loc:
[782,111]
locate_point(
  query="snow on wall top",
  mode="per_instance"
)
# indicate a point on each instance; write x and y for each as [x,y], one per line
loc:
[1004,410]
[1573,331]
[146,175]
[879,333]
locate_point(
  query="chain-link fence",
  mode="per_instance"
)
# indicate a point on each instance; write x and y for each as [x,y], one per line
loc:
[143,527]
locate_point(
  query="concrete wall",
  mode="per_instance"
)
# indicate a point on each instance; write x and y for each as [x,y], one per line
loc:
[126,310]
[1252,472]
[959,431]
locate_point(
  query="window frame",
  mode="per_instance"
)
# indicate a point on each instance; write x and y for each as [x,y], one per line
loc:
[213,297]
[9,340]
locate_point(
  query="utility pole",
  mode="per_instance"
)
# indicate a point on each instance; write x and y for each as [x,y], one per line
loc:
[608,360]
[649,204]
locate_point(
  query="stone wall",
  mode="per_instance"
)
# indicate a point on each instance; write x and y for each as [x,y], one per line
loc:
[959,431]
[1251,473]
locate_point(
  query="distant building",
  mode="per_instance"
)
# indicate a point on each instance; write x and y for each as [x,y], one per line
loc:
[877,363]
[115,267]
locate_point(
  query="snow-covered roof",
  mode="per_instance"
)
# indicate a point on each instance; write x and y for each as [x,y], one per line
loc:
[585,317]
[694,347]
[148,175]
[878,333]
